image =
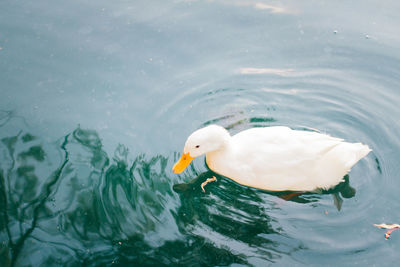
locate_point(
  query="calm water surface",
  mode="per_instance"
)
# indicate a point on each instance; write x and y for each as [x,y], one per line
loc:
[98,98]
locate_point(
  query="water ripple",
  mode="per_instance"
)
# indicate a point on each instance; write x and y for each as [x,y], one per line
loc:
[347,104]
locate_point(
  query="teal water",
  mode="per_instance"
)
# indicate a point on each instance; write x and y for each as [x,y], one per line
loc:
[98,98]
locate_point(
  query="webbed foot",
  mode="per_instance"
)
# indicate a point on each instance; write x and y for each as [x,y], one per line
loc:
[208,181]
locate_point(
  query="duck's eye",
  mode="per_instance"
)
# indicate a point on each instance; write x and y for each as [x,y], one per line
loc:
[197,146]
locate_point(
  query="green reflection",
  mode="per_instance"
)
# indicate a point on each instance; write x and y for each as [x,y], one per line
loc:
[89,208]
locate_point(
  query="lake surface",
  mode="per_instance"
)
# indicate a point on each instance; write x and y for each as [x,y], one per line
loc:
[98,98]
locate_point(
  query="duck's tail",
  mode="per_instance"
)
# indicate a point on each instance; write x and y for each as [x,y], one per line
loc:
[338,162]
[359,151]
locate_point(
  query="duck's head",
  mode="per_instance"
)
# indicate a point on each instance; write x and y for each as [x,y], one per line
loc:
[202,141]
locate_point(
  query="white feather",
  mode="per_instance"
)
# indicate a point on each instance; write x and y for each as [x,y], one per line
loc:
[276,158]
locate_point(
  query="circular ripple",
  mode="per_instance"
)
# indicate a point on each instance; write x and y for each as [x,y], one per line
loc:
[342,103]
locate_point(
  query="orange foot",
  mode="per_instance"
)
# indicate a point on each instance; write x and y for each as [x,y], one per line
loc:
[208,181]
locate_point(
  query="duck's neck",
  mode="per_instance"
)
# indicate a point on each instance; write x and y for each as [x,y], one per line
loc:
[224,139]
[214,157]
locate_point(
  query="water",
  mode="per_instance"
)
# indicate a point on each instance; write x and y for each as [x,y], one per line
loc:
[97,100]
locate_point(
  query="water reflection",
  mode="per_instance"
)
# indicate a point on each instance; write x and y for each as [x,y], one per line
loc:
[229,215]
[280,72]
[259,6]
[24,193]
[92,208]
[80,205]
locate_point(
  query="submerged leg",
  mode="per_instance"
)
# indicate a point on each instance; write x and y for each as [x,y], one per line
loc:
[289,196]
[208,181]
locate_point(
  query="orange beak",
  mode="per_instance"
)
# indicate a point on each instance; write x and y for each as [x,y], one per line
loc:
[182,163]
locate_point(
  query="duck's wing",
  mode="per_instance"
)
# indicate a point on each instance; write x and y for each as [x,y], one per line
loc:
[282,141]
[281,158]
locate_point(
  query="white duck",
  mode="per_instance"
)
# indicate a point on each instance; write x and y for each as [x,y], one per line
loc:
[274,158]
